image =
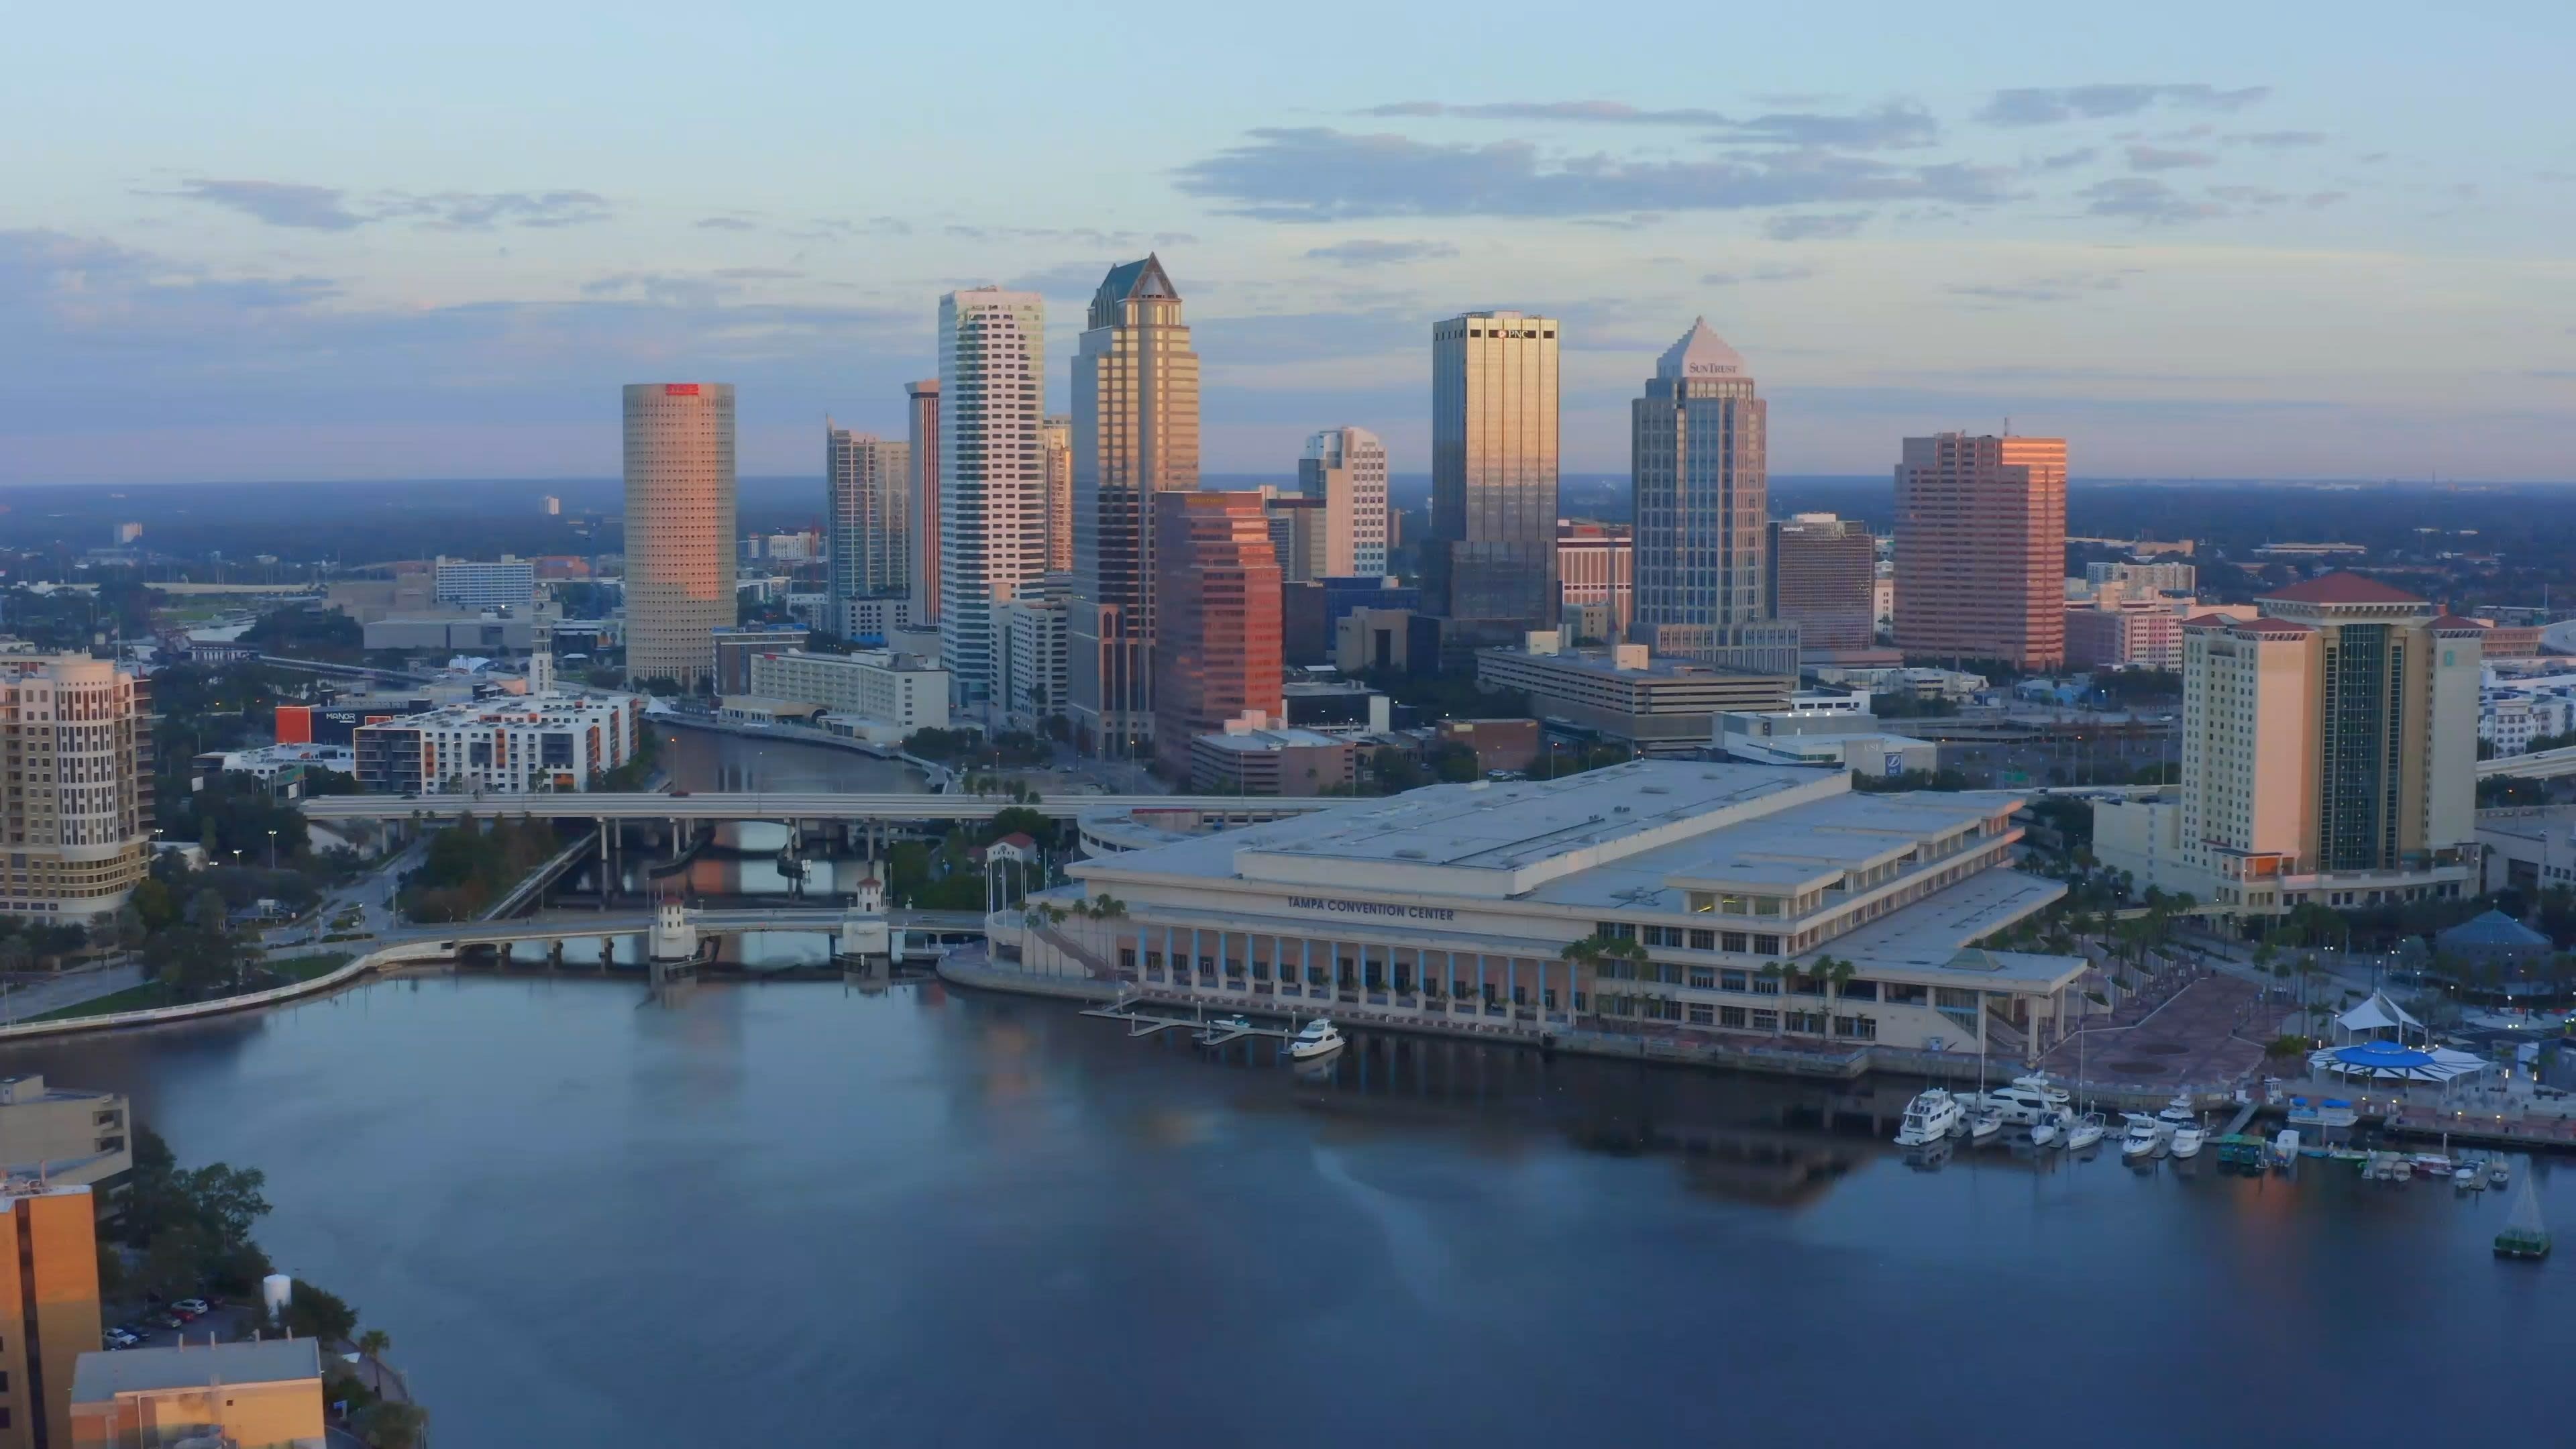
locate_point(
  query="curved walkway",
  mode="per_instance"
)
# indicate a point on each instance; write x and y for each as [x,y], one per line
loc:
[363,966]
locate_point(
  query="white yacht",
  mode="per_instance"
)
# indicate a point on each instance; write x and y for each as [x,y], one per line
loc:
[2084,1131]
[2187,1139]
[1320,1039]
[2179,1113]
[1933,1115]
[2145,1137]
[2028,1099]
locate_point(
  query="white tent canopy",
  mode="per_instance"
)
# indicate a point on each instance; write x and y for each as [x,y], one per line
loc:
[2376,1014]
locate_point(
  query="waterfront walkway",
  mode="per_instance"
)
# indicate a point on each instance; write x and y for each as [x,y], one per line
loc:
[2183,1040]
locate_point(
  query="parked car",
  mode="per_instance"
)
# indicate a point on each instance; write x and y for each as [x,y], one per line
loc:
[119,1338]
[193,1307]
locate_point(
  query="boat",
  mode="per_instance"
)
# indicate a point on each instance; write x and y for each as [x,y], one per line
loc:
[1223,1028]
[2084,1131]
[2187,1139]
[1319,1039]
[1984,1123]
[2242,1152]
[2179,1113]
[1932,1116]
[2145,1136]
[2526,1233]
[2500,1170]
[2028,1099]
[2285,1147]
[2049,1130]
[2469,1177]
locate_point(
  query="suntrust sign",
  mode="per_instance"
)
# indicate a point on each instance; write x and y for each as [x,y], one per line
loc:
[1371,908]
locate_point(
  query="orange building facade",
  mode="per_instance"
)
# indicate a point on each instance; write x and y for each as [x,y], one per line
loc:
[1981,550]
[1217,647]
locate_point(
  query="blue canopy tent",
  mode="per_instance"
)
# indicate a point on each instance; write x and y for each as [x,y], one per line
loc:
[2388,1061]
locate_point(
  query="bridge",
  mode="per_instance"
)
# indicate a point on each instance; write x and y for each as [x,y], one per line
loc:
[2542,765]
[793,805]
[632,923]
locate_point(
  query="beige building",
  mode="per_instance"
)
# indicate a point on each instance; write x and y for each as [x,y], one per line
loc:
[873,684]
[1596,570]
[1626,694]
[1981,549]
[49,1282]
[2329,757]
[1135,438]
[921,417]
[1055,434]
[1344,470]
[1489,566]
[679,527]
[64,1135]
[75,745]
[2120,633]
[259,1395]
[992,475]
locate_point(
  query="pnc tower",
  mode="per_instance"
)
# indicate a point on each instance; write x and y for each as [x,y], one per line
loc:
[1490,564]
[679,528]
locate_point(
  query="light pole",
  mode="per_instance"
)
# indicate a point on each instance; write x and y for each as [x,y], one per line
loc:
[272,850]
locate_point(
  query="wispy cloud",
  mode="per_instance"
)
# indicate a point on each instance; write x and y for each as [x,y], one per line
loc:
[2065,159]
[1362,252]
[1814,226]
[2041,106]
[2061,288]
[725,223]
[1320,174]
[1895,123]
[1758,274]
[329,208]
[2161,158]
[279,203]
[2147,201]
[2276,140]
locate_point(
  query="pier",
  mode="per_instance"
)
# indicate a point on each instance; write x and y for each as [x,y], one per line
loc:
[1221,1032]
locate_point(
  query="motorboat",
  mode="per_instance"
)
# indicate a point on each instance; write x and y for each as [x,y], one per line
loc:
[1320,1038]
[2285,1147]
[1934,1115]
[2469,1177]
[2186,1140]
[2049,1130]
[1223,1029]
[2144,1138]
[2500,1170]
[2179,1113]
[2086,1130]
[2027,1099]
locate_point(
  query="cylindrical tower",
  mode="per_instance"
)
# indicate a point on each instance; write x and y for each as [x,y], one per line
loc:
[679,527]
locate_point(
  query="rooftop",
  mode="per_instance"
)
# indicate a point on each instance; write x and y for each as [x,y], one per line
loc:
[2343,588]
[1253,742]
[100,1377]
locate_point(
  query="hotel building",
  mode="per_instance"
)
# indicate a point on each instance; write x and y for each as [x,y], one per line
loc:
[867,544]
[679,526]
[1981,549]
[76,821]
[1453,907]
[992,474]
[2329,756]
[500,746]
[1344,470]
[1217,642]
[1489,566]
[509,583]
[874,685]
[1135,440]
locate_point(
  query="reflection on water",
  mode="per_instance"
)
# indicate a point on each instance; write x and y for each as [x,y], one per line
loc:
[698,761]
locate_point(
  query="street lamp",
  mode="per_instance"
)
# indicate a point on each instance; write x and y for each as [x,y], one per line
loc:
[272,850]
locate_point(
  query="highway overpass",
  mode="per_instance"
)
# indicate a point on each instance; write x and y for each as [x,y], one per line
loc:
[568,924]
[789,805]
[2543,765]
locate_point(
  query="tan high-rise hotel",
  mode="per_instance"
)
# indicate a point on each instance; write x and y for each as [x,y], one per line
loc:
[76,822]
[1981,549]
[679,528]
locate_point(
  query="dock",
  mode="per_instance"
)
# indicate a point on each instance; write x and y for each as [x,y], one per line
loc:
[1216,1033]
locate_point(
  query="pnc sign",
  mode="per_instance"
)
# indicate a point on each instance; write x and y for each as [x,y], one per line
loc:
[679,389]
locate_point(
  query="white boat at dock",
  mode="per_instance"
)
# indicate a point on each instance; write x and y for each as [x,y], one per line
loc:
[1984,1124]
[1320,1038]
[2049,1130]
[1933,1116]
[2086,1130]
[2027,1099]
[2145,1136]
[2187,1139]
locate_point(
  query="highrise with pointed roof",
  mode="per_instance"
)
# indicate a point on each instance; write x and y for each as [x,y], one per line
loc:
[1489,566]
[1696,461]
[1135,437]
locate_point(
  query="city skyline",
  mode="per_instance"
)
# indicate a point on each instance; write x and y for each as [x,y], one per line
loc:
[2299,259]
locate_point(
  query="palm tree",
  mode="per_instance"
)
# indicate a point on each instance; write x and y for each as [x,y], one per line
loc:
[1834,974]
[375,1342]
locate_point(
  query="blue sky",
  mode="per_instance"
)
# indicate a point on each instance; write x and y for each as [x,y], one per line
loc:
[305,241]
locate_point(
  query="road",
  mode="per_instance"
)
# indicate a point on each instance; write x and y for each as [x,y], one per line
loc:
[789,805]
[373,896]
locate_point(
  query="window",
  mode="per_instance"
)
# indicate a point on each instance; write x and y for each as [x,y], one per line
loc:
[1766,985]
[1859,1028]
[1701,1014]
[1810,1022]
[1859,991]
[1736,941]
[1766,945]
[1731,981]
[1703,940]
[1731,1016]
[1766,1021]
[1703,978]
[1655,936]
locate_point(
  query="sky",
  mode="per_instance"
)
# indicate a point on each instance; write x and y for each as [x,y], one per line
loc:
[294,241]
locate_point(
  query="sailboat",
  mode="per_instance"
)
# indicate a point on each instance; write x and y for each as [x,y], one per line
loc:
[2091,1127]
[2526,1233]
[1984,1120]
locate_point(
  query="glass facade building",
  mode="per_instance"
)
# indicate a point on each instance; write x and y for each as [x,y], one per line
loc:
[1489,566]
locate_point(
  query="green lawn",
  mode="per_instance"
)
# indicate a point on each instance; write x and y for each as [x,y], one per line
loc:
[154,993]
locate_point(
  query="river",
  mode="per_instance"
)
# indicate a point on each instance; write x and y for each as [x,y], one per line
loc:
[807,1213]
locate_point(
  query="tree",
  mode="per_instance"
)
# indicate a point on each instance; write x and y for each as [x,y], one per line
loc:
[318,1313]
[375,1342]
[389,1424]
[1834,974]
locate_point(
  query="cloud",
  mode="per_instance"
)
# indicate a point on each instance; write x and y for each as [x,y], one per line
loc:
[328,208]
[725,223]
[279,203]
[2325,198]
[2276,140]
[2147,201]
[1758,274]
[1366,253]
[2064,159]
[1068,279]
[2065,288]
[1895,123]
[1814,225]
[2249,195]
[1320,174]
[2047,106]
[2159,158]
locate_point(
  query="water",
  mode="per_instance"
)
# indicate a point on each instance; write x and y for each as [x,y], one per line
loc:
[702,760]
[768,1214]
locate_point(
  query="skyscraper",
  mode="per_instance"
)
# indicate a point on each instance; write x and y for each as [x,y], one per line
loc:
[76,823]
[1489,566]
[1135,438]
[1696,458]
[1596,569]
[1823,578]
[921,416]
[1345,468]
[1981,549]
[866,504]
[1217,647]
[679,527]
[1056,431]
[992,474]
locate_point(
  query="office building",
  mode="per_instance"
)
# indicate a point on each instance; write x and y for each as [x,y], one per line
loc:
[65,1135]
[1625,693]
[1489,566]
[1448,908]
[1824,571]
[1596,569]
[1311,612]
[1396,639]
[679,526]
[510,583]
[1216,646]
[2329,756]
[866,511]
[877,686]
[1296,523]
[2144,578]
[1055,433]
[550,506]
[507,745]
[1031,632]
[264,1394]
[1135,440]
[992,474]
[1260,756]
[1981,549]
[1344,470]
[50,1321]
[2125,633]
[1696,455]
[457,631]
[76,746]
[921,414]
[736,646]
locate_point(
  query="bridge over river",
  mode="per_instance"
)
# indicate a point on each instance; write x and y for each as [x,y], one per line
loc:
[792,805]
